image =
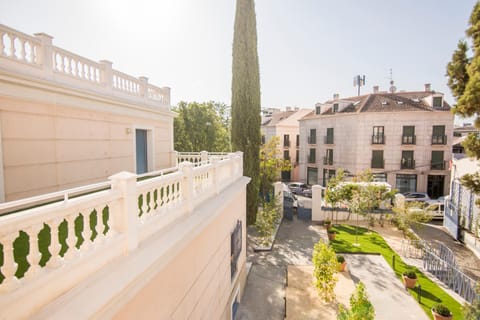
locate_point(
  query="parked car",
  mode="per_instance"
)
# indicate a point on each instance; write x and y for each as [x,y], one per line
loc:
[307,193]
[434,208]
[297,187]
[289,198]
[416,196]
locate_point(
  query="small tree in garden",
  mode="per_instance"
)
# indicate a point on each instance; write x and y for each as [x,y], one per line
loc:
[325,266]
[267,219]
[472,311]
[334,194]
[360,307]
[408,214]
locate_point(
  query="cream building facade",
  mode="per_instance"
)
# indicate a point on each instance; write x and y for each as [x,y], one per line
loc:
[405,138]
[67,121]
[285,126]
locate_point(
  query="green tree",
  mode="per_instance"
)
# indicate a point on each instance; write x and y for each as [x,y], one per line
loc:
[246,100]
[334,195]
[201,127]
[360,306]
[407,214]
[325,265]
[472,311]
[271,165]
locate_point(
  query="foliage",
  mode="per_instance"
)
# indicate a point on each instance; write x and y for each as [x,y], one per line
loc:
[340,259]
[246,99]
[472,311]
[410,274]
[360,307]
[271,164]
[267,220]
[334,195]
[457,69]
[201,127]
[325,266]
[372,242]
[442,310]
[408,214]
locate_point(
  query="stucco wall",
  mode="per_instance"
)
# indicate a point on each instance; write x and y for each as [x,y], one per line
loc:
[196,284]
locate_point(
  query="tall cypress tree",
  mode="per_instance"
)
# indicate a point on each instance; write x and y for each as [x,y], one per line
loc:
[464,81]
[246,99]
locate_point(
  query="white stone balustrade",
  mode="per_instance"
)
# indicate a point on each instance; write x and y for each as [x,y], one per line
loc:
[40,59]
[84,233]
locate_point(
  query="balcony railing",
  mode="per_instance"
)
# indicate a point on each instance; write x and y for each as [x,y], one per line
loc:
[311,139]
[407,164]
[39,58]
[328,139]
[438,165]
[123,214]
[377,164]
[327,161]
[439,139]
[378,139]
[408,139]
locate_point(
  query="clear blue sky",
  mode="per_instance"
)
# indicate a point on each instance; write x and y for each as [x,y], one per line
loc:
[308,49]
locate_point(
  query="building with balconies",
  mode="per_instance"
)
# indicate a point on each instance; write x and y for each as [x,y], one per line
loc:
[404,138]
[285,126]
[152,244]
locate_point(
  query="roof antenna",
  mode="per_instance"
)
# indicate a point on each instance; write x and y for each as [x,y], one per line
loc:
[359,81]
[392,87]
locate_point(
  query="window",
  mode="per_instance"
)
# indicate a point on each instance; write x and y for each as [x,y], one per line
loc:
[312,138]
[407,160]
[298,140]
[235,247]
[297,156]
[438,135]
[329,137]
[437,102]
[437,161]
[408,135]
[317,110]
[377,159]
[312,176]
[286,140]
[328,160]
[311,156]
[406,183]
[286,155]
[335,107]
[378,137]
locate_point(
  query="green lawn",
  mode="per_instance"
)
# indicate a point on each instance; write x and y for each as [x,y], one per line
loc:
[372,242]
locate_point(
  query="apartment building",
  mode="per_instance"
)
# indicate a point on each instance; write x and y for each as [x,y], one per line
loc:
[285,125]
[404,138]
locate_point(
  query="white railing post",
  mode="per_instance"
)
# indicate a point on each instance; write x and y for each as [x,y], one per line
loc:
[166,96]
[143,87]
[9,267]
[187,184]
[106,76]
[216,181]
[278,195]
[174,158]
[125,218]
[46,54]
[203,157]
[317,203]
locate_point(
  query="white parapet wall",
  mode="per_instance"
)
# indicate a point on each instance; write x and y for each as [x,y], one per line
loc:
[164,236]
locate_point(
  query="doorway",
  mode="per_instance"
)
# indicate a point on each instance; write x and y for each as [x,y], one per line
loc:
[435,186]
[141,151]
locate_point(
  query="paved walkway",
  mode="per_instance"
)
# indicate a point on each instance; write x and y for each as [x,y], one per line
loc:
[264,296]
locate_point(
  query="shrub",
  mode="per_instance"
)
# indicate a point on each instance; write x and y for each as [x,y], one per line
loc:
[442,310]
[267,220]
[472,311]
[410,274]
[325,266]
[340,259]
[360,306]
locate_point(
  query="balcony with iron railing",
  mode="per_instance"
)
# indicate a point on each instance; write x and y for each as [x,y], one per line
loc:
[328,139]
[327,161]
[407,163]
[312,139]
[439,139]
[55,241]
[438,165]
[378,139]
[408,139]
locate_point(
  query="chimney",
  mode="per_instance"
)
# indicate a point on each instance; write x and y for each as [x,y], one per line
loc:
[428,87]
[336,96]
[375,89]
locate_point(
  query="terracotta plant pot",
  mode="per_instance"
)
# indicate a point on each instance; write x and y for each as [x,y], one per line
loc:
[331,236]
[409,283]
[437,316]
[342,266]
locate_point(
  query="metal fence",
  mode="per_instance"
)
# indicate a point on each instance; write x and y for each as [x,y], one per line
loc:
[439,260]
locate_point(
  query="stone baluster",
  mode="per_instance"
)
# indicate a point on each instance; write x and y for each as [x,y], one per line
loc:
[151,203]
[87,231]
[55,247]
[9,265]
[23,52]
[145,203]
[12,46]
[72,237]
[99,227]
[34,255]
[2,45]
[187,184]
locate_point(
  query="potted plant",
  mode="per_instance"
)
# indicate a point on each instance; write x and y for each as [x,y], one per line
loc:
[441,312]
[331,234]
[410,279]
[341,263]
[328,223]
